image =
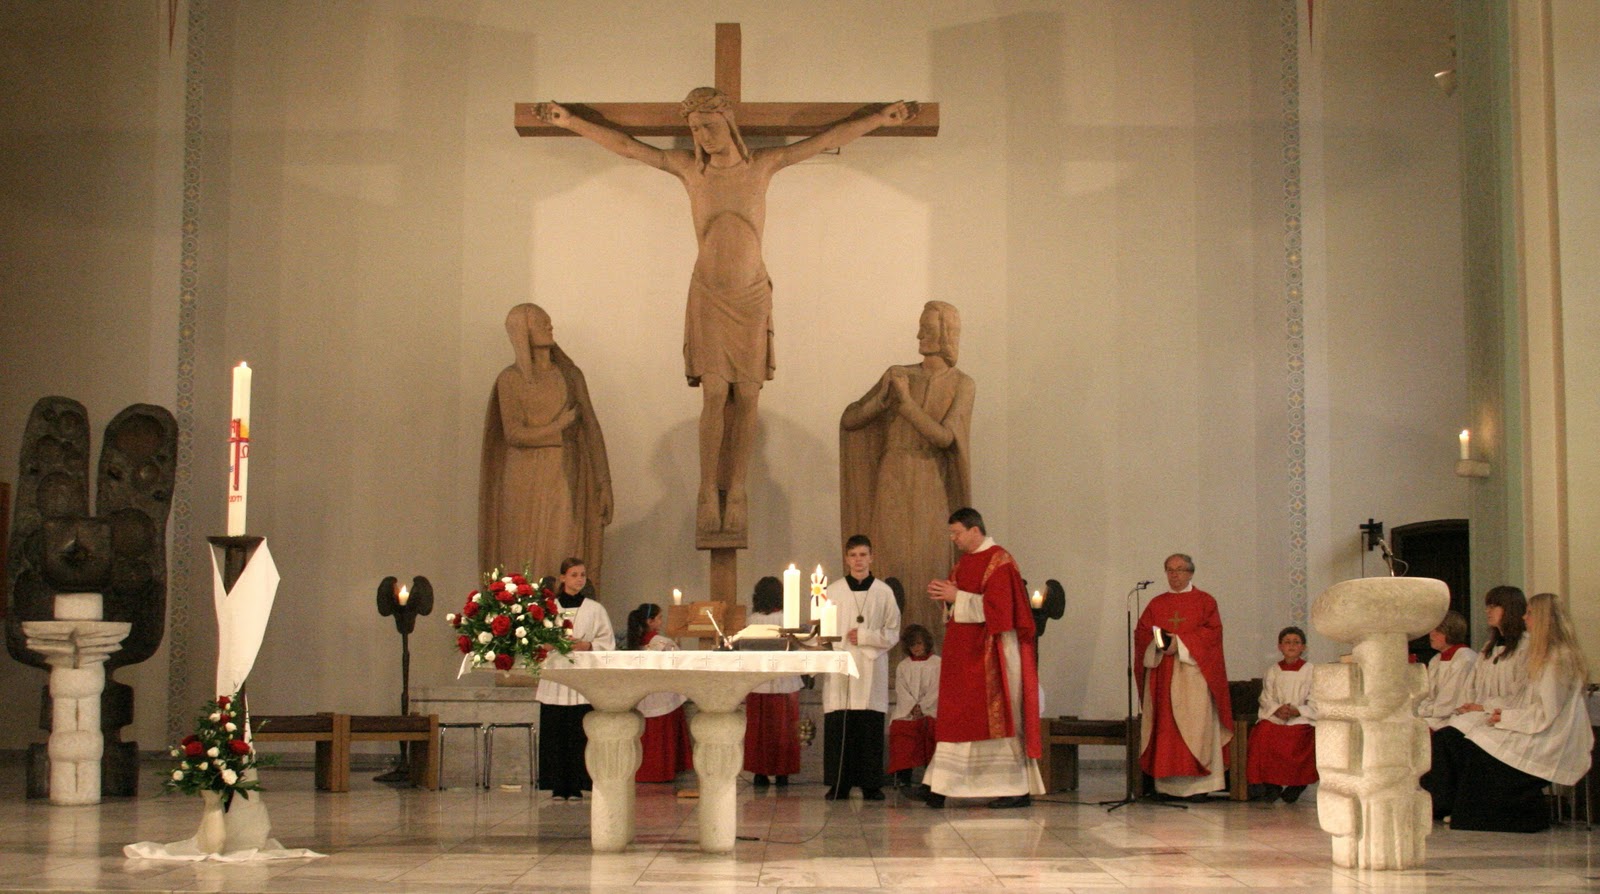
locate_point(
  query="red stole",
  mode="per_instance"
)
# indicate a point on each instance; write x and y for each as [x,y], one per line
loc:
[974,694]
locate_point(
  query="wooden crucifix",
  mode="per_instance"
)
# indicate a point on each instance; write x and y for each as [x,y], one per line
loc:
[728,325]
[761,119]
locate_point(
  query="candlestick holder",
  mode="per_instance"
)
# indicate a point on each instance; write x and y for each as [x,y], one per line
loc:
[1055,605]
[236,552]
[797,639]
[418,601]
[1472,468]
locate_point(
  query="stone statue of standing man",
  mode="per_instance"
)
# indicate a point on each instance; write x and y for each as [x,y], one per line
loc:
[904,464]
[727,332]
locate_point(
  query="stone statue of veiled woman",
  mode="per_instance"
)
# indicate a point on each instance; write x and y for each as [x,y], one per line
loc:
[545,490]
[904,464]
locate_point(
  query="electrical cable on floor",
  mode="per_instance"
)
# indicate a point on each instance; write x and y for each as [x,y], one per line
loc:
[844,727]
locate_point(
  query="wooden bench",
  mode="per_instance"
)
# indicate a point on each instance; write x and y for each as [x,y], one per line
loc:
[421,730]
[330,732]
[1063,735]
[334,733]
[1246,698]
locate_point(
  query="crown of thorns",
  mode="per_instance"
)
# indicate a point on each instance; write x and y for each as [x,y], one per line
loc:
[705,99]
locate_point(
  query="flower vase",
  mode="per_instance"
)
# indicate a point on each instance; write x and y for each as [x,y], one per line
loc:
[213,831]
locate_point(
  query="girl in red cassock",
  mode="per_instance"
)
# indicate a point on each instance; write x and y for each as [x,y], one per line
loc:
[666,744]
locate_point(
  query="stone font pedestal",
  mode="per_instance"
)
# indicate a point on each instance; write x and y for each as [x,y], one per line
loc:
[76,645]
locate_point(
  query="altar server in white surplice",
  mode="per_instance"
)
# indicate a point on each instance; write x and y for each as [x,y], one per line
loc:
[1493,778]
[665,741]
[1500,679]
[561,709]
[771,710]
[1449,672]
[912,737]
[1283,746]
[854,709]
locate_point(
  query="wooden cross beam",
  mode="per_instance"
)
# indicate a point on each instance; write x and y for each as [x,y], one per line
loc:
[765,119]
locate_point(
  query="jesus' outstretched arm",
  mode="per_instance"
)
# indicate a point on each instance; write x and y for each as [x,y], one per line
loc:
[895,113]
[615,140]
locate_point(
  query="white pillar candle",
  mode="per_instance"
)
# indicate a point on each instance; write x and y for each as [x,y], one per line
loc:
[819,586]
[677,596]
[239,450]
[830,618]
[404,597]
[1037,601]
[1466,444]
[791,598]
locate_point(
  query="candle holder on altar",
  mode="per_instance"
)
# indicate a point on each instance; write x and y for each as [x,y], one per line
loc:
[779,639]
[807,639]
[405,604]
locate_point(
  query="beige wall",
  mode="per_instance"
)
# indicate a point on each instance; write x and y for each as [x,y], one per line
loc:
[88,285]
[1105,203]
[1389,297]
[1575,27]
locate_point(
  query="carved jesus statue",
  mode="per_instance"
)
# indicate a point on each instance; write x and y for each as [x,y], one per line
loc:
[727,331]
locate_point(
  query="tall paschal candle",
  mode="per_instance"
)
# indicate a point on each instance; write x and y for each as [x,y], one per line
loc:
[239,450]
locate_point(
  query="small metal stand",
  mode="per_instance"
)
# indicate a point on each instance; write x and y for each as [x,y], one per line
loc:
[418,601]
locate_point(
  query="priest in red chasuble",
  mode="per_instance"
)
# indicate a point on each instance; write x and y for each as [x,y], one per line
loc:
[988,742]
[1187,717]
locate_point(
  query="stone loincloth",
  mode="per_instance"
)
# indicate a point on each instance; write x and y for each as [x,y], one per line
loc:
[728,333]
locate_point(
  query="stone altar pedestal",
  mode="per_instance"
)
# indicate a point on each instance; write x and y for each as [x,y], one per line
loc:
[76,645]
[1371,748]
[717,682]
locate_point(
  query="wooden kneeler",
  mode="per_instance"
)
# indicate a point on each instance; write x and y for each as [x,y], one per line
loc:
[333,734]
[330,732]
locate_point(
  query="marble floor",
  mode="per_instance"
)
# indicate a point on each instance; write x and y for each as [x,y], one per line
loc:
[400,841]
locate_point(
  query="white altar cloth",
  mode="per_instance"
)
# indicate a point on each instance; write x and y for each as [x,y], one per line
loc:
[717,682]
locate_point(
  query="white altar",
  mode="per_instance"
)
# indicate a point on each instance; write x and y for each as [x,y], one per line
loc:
[717,682]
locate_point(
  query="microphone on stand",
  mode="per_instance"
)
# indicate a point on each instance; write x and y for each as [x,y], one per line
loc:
[1388,556]
[1142,584]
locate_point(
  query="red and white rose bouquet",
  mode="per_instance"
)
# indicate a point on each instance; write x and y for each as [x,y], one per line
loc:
[510,623]
[215,757]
